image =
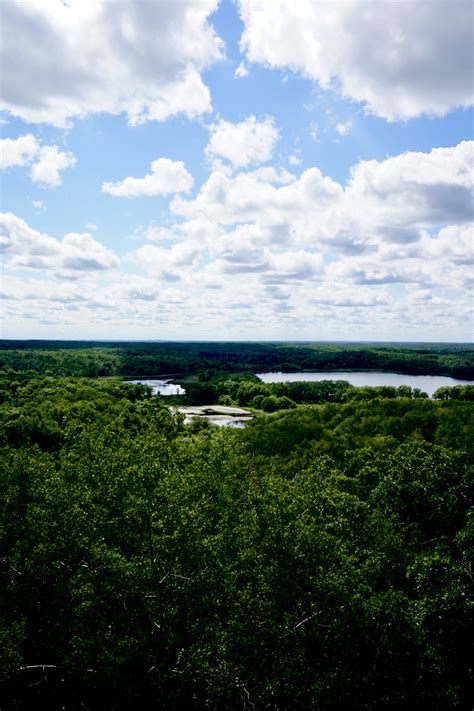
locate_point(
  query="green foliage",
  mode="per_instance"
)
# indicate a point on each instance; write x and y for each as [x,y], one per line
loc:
[318,559]
[249,391]
[377,423]
[208,359]
[456,392]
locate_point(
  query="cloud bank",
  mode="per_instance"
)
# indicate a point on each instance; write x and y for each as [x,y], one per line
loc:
[400,60]
[27,247]
[143,59]
[265,252]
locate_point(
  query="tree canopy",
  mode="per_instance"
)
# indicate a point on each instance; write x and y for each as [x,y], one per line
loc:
[319,558]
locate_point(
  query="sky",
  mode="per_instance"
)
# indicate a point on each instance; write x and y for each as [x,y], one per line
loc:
[248,170]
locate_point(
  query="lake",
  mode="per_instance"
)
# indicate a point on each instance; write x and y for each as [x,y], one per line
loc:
[427,383]
[160,386]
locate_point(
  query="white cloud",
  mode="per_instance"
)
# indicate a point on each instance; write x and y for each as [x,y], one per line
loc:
[295,265]
[80,251]
[171,264]
[30,248]
[453,243]
[48,164]
[373,272]
[249,141]
[415,190]
[45,162]
[390,200]
[266,196]
[344,128]
[18,151]
[152,233]
[399,59]
[241,71]
[314,131]
[39,205]
[269,254]
[343,296]
[376,226]
[143,59]
[274,267]
[166,177]
[452,246]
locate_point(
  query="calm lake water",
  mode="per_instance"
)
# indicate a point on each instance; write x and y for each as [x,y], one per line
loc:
[427,383]
[161,387]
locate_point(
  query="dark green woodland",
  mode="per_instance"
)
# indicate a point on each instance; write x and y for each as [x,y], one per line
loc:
[84,358]
[319,559]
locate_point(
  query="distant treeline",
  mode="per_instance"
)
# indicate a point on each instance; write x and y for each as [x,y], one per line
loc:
[92,359]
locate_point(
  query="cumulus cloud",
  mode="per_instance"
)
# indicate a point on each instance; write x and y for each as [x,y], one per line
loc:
[395,221]
[168,264]
[298,265]
[453,243]
[268,253]
[452,247]
[399,59]
[166,177]
[366,271]
[28,247]
[46,162]
[349,297]
[264,195]
[18,151]
[48,165]
[416,189]
[344,128]
[249,141]
[390,201]
[143,59]
[442,260]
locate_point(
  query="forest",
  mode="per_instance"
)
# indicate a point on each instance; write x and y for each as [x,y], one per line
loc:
[320,558]
[92,359]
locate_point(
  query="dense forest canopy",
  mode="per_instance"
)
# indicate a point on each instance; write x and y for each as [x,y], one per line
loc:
[317,559]
[142,358]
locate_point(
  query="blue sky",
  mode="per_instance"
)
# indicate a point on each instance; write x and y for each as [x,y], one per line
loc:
[239,170]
